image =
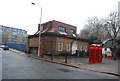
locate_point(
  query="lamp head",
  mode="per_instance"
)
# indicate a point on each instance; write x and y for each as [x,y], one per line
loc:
[33,3]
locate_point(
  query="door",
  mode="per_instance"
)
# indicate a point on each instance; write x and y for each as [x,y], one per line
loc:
[74,47]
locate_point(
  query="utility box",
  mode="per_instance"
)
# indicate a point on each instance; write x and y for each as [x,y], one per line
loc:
[95,54]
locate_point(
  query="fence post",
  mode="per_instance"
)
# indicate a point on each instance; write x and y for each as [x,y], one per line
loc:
[51,57]
[65,58]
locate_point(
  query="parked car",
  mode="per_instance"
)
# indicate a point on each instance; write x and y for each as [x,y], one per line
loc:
[4,47]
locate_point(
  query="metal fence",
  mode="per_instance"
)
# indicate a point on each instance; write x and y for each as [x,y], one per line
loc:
[21,47]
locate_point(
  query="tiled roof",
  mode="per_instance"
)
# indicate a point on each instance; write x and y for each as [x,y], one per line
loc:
[55,34]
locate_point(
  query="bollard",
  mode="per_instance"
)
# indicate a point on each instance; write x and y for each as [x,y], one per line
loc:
[51,57]
[65,58]
[41,56]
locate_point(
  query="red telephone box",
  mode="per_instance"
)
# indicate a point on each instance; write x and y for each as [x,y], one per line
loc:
[100,53]
[95,53]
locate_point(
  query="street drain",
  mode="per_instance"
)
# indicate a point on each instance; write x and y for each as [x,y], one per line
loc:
[64,70]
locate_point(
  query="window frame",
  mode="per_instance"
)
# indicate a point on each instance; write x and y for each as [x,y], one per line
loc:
[72,31]
[60,48]
[81,47]
[62,30]
[68,45]
[85,48]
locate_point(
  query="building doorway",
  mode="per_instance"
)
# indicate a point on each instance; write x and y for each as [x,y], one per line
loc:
[74,47]
[34,50]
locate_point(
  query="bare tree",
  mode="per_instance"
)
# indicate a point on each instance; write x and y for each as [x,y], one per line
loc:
[103,29]
[93,30]
[112,27]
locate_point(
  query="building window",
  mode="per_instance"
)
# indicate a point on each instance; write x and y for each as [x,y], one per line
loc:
[68,47]
[25,32]
[72,31]
[60,46]
[14,38]
[45,26]
[25,39]
[62,30]
[81,47]
[85,48]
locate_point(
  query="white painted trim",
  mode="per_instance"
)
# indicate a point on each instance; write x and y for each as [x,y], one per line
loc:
[68,47]
[60,48]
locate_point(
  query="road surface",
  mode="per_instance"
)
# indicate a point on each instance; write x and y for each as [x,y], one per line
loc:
[20,66]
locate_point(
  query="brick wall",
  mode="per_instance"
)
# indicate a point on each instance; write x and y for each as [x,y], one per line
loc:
[33,42]
[49,43]
[65,41]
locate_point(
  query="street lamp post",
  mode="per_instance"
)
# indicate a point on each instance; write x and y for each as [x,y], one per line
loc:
[39,28]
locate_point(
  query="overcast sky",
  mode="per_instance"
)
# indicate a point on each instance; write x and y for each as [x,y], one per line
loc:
[22,14]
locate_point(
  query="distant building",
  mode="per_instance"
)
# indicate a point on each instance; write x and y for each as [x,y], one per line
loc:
[12,35]
[57,38]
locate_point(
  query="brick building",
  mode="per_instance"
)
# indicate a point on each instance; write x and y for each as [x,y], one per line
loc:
[56,38]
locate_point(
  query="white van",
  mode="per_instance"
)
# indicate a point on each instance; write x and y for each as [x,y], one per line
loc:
[106,51]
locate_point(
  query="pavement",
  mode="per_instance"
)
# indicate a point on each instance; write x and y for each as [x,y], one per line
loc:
[107,66]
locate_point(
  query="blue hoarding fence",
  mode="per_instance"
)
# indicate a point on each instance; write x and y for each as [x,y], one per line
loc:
[21,47]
